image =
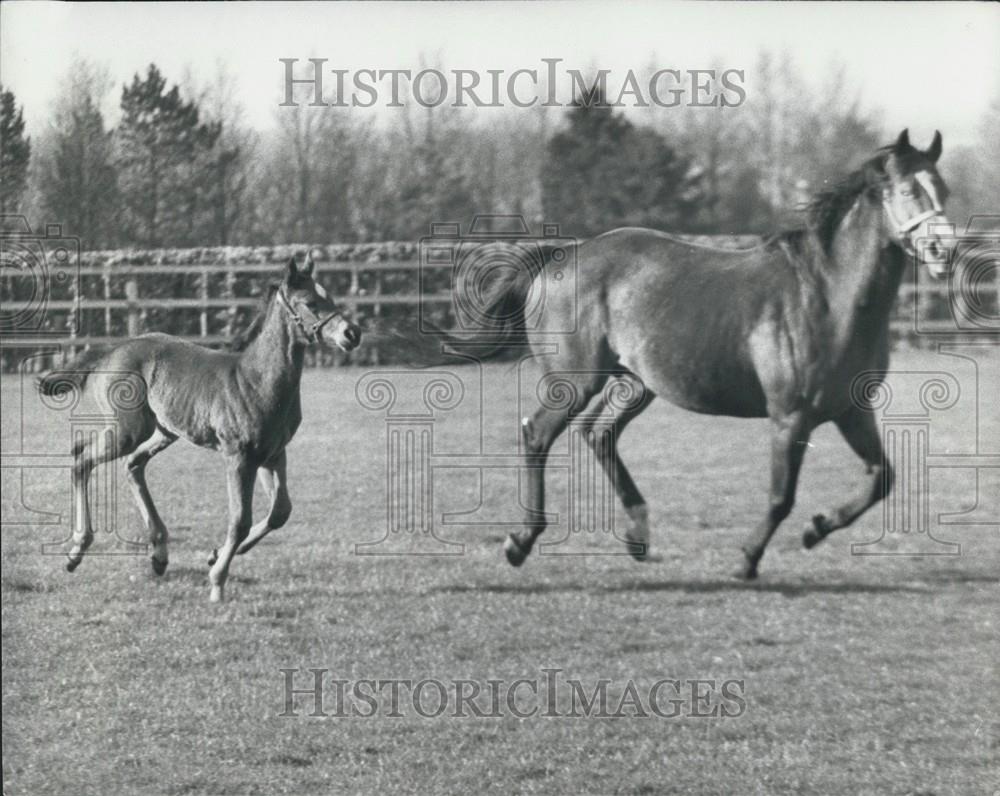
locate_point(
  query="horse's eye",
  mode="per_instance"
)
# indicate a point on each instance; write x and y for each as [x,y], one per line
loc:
[906,193]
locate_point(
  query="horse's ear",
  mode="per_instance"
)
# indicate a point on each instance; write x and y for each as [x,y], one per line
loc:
[307,269]
[291,270]
[903,142]
[935,149]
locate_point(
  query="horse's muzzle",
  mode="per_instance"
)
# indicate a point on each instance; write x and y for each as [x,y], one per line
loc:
[935,254]
[346,335]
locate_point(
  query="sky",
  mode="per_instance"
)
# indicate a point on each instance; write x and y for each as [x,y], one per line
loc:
[921,65]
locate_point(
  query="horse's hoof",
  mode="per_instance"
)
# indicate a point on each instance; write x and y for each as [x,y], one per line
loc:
[638,550]
[515,552]
[214,557]
[159,567]
[637,536]
[815,534]
[748,569]
[72,564]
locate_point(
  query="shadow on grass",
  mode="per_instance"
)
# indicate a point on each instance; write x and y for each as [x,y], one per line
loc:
[687,587]
[200,576]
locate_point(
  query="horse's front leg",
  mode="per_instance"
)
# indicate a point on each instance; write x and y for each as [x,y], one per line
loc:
[861,432]
[789,439]
[240,476]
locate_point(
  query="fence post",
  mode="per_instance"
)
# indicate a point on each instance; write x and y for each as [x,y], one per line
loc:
[132,297]
[106,278]
[376,312]
[230,292]
[203,317]
[74,288]
[353,305]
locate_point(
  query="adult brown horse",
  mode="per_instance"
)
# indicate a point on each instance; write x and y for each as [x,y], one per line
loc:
[246,406]
[779,331]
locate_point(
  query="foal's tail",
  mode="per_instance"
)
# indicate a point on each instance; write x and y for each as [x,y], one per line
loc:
[71,376]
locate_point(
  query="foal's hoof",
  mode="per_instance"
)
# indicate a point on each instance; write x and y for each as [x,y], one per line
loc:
[159,567]
[516,553]
[214,557]
[815,534]
[72,564]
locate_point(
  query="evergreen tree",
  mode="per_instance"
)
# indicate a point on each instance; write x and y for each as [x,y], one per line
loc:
[15,154]
[603,172]
[164,151]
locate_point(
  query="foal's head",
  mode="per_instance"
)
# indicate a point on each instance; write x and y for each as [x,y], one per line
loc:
[313,316]
[913,195]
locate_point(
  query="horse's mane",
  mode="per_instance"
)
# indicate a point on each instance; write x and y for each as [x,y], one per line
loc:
[243,338]
[828,207]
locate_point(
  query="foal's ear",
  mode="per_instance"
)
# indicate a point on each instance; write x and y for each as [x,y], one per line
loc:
[291,270]
[935,149]
[307,269]
[903,142]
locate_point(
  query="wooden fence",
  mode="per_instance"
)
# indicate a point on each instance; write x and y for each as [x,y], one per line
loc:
[208,295]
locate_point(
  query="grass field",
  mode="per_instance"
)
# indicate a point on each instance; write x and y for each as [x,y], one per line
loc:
[863,675]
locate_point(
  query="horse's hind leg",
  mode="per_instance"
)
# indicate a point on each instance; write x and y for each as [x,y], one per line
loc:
[789,438]
[539,433]
[604,442]
[240,475]
[136,468]
[859,428]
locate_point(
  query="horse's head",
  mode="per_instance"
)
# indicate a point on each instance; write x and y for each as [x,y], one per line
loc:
[314,315]
[913,196]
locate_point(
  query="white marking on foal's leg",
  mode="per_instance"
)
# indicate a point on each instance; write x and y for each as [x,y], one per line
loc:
[638,532]
[83,534]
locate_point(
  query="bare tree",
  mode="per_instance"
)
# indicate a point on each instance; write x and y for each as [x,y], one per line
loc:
[77,180]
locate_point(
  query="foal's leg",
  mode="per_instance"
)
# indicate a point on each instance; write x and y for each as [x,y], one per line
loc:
[240,475]
[273,478]
[605,445]
[789,438]
[539,433]
[861,432]
[87,454]
[136,468]
[83,533]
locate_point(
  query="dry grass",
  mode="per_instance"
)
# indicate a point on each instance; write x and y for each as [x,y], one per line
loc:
[863,675]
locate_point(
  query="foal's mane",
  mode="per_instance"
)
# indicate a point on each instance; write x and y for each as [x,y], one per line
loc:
[827,208]
[243,338]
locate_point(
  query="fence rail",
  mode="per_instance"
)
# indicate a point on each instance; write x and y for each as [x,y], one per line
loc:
[207,295]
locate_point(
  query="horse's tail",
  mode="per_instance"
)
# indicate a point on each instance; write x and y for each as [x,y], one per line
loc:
[500,331]
[72,376]
[501,306]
